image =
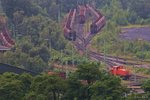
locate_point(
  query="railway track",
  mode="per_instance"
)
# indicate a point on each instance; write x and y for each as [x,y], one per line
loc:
[116,60]
[134,82]
[111,60]
[83,42]
[136,79]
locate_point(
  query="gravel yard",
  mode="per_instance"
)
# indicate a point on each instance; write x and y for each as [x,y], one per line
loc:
[136,33]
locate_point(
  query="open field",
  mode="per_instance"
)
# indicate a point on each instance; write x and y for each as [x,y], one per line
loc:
[136,33]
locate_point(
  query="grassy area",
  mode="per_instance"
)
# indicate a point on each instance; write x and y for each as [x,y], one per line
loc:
[135,26]
[139,71]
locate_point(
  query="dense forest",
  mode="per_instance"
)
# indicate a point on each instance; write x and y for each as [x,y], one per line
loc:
[36,27]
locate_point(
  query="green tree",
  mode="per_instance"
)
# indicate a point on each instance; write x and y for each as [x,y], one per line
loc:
[89,72]
[53,87]
[12,86]
[27,6]
[42,52]
[109,88]
[91,83]
[146,86]
[2,22]
[27,80]
[75,89]
[36,64]
[33,96]
[138,5]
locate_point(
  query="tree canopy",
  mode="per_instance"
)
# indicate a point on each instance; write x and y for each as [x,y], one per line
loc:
[82,84]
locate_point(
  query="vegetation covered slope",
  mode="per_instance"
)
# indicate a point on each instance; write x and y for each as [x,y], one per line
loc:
[87,83]
[36,28]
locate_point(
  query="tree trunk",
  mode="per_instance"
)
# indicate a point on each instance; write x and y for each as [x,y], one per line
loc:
[88,95]
[54,95]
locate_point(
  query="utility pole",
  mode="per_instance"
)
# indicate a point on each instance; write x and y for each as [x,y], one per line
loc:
[142,52]
[59,10]
[80,2]
[135,78]
[77,3]
[47,42]
[86,51]
[93,3]
[141,44]
[124,48]
[105,51]
[50,47]
[1,10]
[61,57]
[72,52]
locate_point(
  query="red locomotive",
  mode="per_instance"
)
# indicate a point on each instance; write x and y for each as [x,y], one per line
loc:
[120,71]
